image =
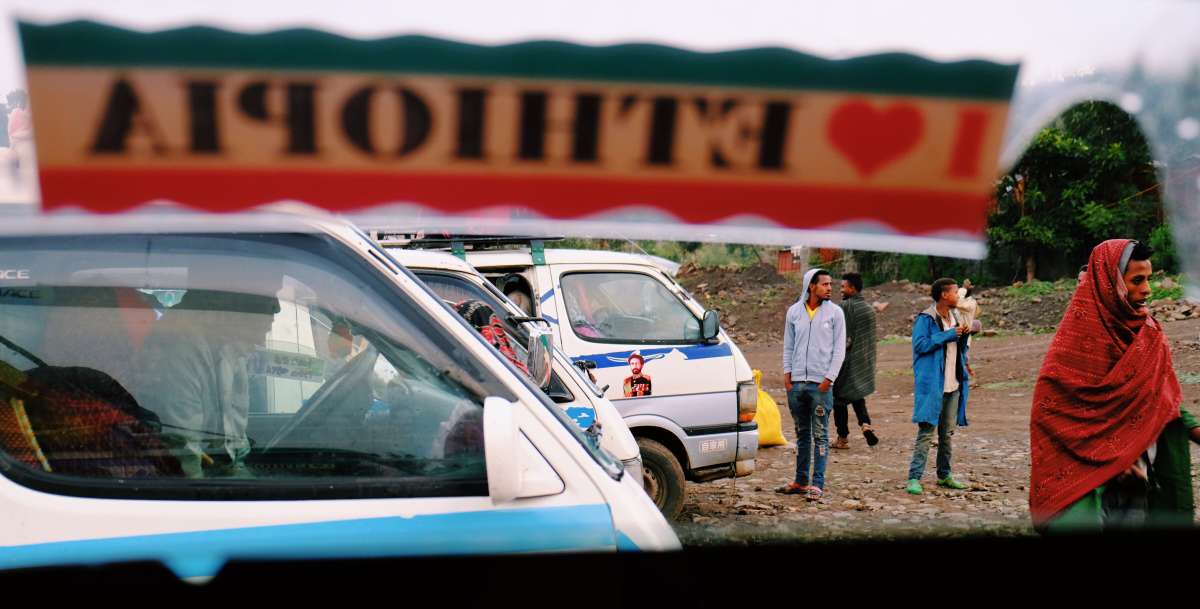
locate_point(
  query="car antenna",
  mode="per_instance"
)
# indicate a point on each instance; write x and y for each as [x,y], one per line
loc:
[639,248]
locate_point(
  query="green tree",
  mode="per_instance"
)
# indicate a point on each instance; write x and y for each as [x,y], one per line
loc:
[1087,177]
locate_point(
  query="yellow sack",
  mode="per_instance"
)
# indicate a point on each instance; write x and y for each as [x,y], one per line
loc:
[770,426]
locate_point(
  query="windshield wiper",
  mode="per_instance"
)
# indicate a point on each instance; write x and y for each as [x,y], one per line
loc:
[37,361]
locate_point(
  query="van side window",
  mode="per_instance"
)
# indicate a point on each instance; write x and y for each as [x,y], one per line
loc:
[228,368]
[456,289]
[453,289]
[626,308]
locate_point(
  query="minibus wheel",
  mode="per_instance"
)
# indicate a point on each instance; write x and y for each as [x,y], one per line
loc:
[663,477]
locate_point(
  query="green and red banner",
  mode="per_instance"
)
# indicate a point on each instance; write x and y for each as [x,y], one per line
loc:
[762,145]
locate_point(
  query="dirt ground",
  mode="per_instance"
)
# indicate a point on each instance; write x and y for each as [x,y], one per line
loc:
[864,494]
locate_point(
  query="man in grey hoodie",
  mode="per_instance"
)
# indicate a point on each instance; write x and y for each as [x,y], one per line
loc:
[814,346]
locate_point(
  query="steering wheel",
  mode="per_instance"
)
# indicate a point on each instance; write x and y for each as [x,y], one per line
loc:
[356,372]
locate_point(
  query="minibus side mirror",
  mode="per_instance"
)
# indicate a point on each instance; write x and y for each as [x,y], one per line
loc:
[522,324]
[500,449]
[710,326]
[515,469]
[539,357]
[560,397]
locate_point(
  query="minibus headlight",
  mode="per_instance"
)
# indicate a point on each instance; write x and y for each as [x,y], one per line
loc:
[747,401]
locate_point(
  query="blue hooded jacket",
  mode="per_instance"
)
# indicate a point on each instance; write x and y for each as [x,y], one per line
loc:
[929,342]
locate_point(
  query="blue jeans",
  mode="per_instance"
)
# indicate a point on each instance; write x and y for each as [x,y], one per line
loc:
[947,421]
[810,410]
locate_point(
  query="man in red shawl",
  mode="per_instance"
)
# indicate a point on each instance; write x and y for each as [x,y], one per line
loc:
[1106,429]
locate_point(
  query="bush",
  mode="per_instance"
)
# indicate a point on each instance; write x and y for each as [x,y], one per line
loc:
[882,267]
[1040,288]
[671,250]
[1165,257]
[1175,292]
[724,255]
[677,251]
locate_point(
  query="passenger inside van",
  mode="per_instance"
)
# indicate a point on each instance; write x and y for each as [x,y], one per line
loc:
[194,374]
[626,306]
[102,328]
[334,340]
[581,311]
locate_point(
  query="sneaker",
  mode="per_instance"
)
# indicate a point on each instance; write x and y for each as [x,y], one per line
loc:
[841,443]
[814,493]
[914,487]
[950,482]
[869,434]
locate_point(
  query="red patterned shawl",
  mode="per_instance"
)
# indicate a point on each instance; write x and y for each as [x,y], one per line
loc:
[1106,390]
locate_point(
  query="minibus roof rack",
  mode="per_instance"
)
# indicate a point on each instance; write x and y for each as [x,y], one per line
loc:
[419,240]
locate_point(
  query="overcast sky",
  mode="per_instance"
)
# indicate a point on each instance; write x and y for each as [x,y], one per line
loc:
[1051,39]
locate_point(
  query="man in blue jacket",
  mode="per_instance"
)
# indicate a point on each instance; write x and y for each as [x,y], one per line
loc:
[940,379]
[814,346]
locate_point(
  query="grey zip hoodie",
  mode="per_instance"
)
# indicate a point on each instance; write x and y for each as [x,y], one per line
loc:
[813,350]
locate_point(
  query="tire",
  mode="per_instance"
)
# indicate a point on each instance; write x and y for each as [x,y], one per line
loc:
[522,300]
[663,477]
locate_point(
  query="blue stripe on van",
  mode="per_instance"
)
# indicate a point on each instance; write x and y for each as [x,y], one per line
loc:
[625,544]
[620,358]
[547,296]
[201,553]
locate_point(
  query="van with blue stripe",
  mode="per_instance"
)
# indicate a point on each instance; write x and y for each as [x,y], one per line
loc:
[683,387]
[680,382]
[456,281]
[197,389]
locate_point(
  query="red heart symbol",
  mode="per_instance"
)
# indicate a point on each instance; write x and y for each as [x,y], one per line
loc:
[872,138]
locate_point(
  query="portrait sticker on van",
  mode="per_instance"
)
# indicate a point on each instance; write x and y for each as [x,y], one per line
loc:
[638,384]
